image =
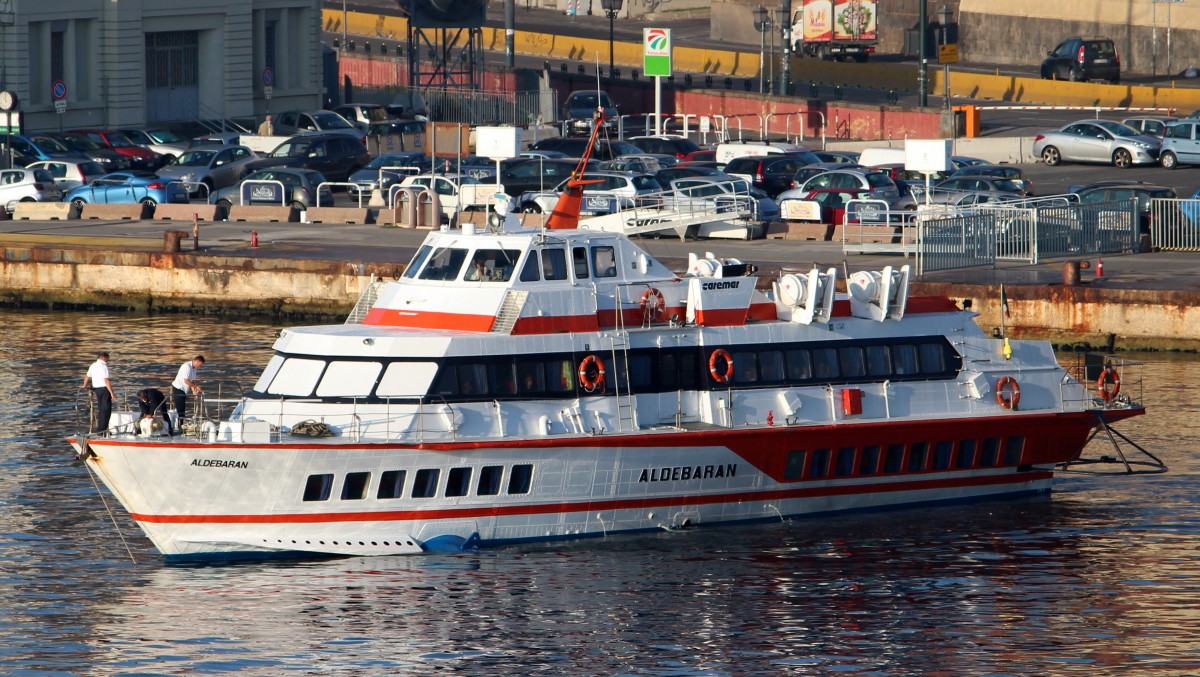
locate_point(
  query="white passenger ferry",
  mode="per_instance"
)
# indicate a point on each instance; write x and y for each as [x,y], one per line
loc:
[523,384]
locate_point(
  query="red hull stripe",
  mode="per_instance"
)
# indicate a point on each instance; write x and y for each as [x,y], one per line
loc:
[844,489]
[426,319]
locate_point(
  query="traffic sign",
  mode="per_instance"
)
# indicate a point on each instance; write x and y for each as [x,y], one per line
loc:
[268,76]
[58,90]
[948,53]
[60,106]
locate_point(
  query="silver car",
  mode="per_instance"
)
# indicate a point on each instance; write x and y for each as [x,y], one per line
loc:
[70,174]
[212,166]
[1097,141]
[881,186]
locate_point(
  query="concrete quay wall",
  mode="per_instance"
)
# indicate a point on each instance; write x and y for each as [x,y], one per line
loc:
[182,282]
[316,290]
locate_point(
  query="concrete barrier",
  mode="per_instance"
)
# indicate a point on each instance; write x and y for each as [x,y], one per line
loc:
[263,213]
[4,215]
[44,211]
[185,212]
[338,215]
[114,212]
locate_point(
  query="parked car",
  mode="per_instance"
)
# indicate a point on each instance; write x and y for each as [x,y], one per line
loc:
[38,147]
[611,192]
[771,174]
[107,158]
[706,155]
[975,184]
[1081,59]
[678,146]
[129,187]
[686,170]
[27,185]
[69,174]
[1000,171]
[1180,144]
[576,146]
[1097,141]
[335,156]
[388,170]
[959,161]
[295,187]
[1123,192]
[212,166]
[139,157]
[1150,126]
[216,139]
[293,122]
[878,183]
[639,164]
[831,203]
[536,174]
[909,180]
[580,106]
[166,143]
[808,171]
[848,157]
[363,115]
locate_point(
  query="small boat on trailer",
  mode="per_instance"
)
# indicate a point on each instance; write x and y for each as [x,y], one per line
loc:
[528,384]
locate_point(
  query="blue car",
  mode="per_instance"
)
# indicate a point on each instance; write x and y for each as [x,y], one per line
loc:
[128,188]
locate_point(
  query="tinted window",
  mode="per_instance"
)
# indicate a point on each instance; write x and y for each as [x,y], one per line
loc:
[391,484]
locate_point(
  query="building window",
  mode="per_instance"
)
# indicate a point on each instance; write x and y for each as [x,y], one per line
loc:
[58,51]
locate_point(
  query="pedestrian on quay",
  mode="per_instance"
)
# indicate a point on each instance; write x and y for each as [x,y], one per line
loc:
[153,403]
[185,384]
[267,128]
[98,377]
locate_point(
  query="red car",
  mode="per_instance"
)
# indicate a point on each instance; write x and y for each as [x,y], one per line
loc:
[700,156]
[139,156]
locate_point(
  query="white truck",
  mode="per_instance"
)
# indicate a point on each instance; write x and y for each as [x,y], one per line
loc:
[835,29]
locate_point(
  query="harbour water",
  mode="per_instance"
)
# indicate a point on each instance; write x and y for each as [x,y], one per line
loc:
[1101,578]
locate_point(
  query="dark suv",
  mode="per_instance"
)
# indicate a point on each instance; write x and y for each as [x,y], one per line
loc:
[771,174]
[1082,59]
[336,156]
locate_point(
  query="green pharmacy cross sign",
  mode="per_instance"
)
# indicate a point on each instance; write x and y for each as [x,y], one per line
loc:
[656,47]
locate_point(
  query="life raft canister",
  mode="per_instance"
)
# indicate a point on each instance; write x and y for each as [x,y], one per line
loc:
[591,374]
[714,359]
[1008,392]
[1109,384]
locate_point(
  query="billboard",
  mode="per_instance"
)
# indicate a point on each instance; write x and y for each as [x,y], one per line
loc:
[854,20]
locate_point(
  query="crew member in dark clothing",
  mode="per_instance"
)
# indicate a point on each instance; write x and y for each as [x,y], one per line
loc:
[152,402]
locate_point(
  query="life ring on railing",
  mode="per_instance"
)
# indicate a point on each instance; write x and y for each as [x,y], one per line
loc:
[718,375]
[1008,392]
[1109,384]
[653,304]
[591,374]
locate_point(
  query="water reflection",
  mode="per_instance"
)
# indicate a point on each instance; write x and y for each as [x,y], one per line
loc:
[1101,577]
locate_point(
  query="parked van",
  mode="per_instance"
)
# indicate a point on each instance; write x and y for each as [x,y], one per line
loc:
[1180,144]
[735,149]
[875,157]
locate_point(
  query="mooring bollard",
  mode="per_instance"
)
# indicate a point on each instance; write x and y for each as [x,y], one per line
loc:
[171,240]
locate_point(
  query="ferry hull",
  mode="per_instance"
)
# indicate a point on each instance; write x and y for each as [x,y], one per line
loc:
[584,486]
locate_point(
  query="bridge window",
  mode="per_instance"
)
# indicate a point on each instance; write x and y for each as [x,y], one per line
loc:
[415,265]
[604,261]
[933,360]
[878,361]
[297,377]
[904,359]
[349,379]
[444,264]
[852,362]
[579,262]
[554,264]
[825,363]
[770,365]
[531,271]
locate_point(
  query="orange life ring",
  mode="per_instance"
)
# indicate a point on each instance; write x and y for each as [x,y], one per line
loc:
[591,374]
[653,304]
[1109,387]
[1010,398]
[718,376]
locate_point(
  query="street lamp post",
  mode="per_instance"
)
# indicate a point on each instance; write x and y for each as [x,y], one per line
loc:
[611,8]
[761,22]
[922,60]
[785,66]
[944,16]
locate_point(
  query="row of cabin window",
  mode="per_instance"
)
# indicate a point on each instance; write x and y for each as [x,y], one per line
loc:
[893,459]
[658,371]
[497,265]
[356,486]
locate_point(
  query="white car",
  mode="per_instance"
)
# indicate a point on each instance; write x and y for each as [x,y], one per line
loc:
[612,192]
[70,174]
[27,185]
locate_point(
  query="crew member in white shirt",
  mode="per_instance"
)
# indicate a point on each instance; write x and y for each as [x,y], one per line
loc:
[98,378]
[185,384]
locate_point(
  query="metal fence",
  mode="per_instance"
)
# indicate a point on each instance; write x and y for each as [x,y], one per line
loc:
[1175,224]
[981,235]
